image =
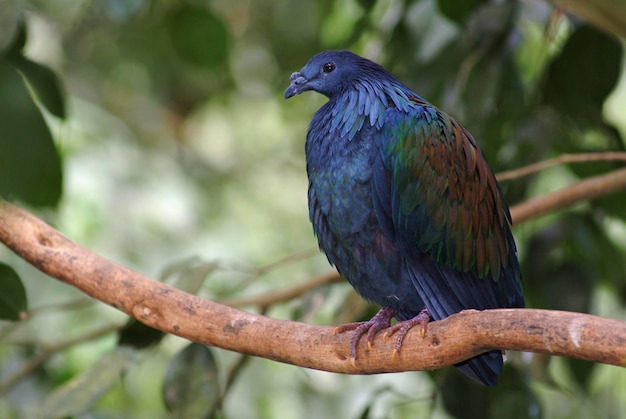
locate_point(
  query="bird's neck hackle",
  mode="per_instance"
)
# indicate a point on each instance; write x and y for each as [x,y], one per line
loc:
[365,101]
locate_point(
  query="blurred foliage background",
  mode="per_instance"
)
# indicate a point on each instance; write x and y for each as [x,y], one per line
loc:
[155,133]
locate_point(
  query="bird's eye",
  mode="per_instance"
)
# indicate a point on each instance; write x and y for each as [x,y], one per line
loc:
[329,67]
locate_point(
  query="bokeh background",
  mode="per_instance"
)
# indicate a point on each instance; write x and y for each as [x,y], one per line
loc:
[155,133]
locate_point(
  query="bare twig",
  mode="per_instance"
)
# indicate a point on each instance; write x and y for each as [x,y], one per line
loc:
[285,294]
[255,273]
[48,350]
[589,188]
[295,257]
[564,158]
[448,341]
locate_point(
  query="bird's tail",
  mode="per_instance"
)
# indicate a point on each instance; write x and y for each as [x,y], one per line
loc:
[483,368]
[446,291]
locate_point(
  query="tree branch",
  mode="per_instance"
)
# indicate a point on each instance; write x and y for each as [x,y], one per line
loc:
[589,188]
[563,158]
[265,300]
[607,15]
[448,341]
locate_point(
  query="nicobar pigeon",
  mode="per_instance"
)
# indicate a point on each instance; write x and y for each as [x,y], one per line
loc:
[404,204]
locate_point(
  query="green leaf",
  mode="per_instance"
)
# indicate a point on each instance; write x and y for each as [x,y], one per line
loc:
[30,166]
[191,275]
[367,4]
[464,398]
[82,392]
[199,36]
[560,263]
[581,370]
[139,336]
[44,82]
[458,11]
[612,204]
[12,294]
[191,387]
[583,74]
[512,398]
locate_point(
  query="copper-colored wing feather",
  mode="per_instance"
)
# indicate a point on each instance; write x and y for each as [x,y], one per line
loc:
[444,200]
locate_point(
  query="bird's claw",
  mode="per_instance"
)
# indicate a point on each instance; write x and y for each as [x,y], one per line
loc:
[380,321]
[402,328]
[339,329]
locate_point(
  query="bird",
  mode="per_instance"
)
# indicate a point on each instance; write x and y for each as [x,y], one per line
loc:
[404,204]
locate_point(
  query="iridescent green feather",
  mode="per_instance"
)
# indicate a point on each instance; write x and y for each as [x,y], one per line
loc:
[449,203]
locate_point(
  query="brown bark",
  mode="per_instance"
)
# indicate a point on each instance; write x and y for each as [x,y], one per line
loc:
[607,15]
[448,341]
[590,188]
[615,156]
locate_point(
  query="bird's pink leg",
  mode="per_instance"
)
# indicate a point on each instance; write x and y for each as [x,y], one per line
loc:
[380,321]
[401,328]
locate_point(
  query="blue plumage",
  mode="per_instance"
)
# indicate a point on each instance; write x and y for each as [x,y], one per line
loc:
[403,202]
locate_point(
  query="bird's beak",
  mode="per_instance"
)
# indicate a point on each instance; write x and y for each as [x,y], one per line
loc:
[298,85]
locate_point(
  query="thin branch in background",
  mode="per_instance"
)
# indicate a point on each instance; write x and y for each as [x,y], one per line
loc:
[294,257]
[233,373]
[565,158]
[75,304]
[46,351]
[557,17]
[607,15]
[465,70]
[586,189]
[265,300]
[256,273]
[403,399]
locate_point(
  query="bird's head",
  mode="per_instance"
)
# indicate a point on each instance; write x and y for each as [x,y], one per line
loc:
[330,73]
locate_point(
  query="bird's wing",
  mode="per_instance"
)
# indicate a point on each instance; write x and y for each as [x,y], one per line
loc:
[440,201]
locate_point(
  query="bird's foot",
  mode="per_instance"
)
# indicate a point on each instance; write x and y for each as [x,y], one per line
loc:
[401,328]
[380,321]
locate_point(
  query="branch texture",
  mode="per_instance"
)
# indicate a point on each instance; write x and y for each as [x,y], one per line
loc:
[447,341]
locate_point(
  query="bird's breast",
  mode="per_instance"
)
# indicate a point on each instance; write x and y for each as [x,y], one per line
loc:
[340,190]
[344,217]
